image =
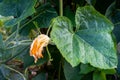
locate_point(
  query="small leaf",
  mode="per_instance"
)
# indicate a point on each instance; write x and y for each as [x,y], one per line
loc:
[86,68]
[109,71]
[99,76]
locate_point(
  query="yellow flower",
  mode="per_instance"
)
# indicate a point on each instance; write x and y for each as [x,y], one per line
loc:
[37,46]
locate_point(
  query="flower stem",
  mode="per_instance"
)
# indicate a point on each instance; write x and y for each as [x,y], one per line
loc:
[59,71]
[36,25]
[17,32]
[49,55]
[48,30]
[61,14]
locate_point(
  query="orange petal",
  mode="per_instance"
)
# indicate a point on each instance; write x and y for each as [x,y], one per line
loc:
[37,46]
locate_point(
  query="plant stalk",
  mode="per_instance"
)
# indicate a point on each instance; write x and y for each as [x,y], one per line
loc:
[17,32]
[61,7]
[49,55]
[59,70]
[61,14]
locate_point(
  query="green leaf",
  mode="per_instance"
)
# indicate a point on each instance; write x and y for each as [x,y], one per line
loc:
[26,56]
[25,31]
[86,68]
[70,72]
[115,19]
[109,71]
[19,9]
[46,13]
[88,18]
[90,43]
[10,73]
[42,18]
[98,75]
[12,47]
[4,19]
[110,10]
[88,76]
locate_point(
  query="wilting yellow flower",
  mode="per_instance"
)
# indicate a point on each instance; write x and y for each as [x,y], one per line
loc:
[37,46]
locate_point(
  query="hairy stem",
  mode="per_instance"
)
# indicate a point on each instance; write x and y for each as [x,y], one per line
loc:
[61,7]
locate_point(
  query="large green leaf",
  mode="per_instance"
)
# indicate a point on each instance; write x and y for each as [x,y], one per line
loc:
[90,43]
[19,9]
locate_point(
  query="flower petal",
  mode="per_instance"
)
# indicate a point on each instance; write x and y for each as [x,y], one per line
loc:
[37,46]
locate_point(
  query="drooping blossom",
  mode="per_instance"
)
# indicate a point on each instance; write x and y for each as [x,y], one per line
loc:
[37,46]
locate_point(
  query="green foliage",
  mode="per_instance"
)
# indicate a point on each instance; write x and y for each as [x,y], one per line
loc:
[79,46]
[83,42]
[20,10]
[99,76]
[71,73]
[41,19]
[11,74]
[86,68]
[40,76]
